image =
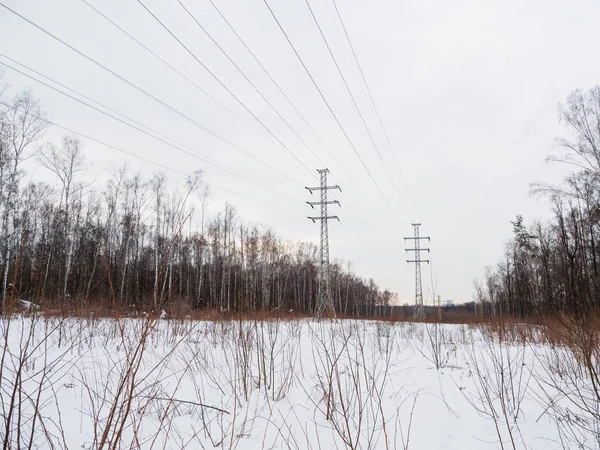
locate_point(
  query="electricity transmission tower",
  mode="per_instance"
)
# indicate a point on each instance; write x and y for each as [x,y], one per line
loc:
[325,302]
[419,310]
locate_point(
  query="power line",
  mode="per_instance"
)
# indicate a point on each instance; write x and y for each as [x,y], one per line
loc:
[274,82]
[204,159]
[250,82]
[155,55]
[164,139]
[243,42]
[331,111]
[223,85]
[127,152]
[131,84]
[339,70]
[140,90]
[228,109]
[374,105]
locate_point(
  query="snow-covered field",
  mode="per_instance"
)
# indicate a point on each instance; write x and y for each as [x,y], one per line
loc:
[298,384]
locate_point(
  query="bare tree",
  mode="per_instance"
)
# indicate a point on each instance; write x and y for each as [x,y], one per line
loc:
[21,125]
[555,267]
[66,163]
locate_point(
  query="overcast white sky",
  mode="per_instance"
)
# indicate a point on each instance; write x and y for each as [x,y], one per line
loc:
[467,91]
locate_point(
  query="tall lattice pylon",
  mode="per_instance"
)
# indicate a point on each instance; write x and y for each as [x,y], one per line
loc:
[325,302]
[419,310]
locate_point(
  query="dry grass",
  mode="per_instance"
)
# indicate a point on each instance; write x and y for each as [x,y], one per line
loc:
[349,390]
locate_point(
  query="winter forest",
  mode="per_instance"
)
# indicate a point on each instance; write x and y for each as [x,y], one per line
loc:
[135,244]
[553,267]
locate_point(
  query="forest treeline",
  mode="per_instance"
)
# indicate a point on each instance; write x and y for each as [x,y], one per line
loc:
[553,267]
[136,244]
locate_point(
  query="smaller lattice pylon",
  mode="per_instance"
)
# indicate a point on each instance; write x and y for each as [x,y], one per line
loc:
[419,309]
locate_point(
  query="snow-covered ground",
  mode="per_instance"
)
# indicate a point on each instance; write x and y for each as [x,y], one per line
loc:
[294,384]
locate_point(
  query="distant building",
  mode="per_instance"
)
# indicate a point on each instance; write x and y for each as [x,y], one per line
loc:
[449,303]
